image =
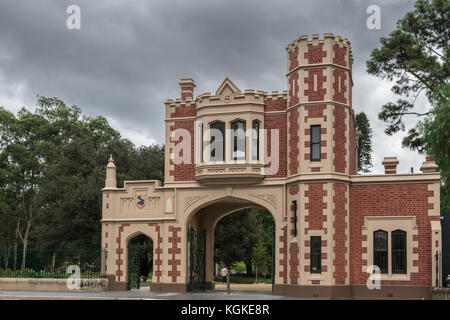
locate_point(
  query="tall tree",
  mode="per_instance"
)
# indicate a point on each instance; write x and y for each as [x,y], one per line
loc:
[259,258]
[364,142]
[24,151]
[415,55]
[235,237]
[58,157]
[437,141]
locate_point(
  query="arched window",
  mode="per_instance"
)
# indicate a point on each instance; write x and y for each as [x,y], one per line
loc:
[398,251]
[238,140]
[255,140]
[217,141]
[380,250]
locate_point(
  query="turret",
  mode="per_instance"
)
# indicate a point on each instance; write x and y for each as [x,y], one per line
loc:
[111,181]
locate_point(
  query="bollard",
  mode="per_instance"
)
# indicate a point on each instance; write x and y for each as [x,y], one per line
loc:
[228,282]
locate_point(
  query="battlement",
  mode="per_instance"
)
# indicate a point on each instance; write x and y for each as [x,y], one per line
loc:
[275,95]
[329,39]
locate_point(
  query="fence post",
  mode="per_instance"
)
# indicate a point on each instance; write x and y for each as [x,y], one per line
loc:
[104,252]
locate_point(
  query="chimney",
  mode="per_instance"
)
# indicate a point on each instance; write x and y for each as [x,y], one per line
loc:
[428,166]
[111,174]
[187,88]
[390,165]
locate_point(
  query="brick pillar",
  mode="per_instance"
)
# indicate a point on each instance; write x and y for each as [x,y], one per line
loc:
[428,165]
[390,165]
[187,88]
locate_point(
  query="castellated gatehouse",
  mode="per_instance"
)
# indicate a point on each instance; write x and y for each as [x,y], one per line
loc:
[293,153]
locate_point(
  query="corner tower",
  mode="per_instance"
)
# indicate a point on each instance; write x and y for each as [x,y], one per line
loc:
[320,115]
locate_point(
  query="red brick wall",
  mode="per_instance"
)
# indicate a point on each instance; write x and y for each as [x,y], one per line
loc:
[293,59]
[339,237]
[339,55]
[404,200]
[316,111]
[277,121]
[319,93]
[174,273]
[339,86]
[187,92]
[184,111]
[315,54]
[315,206]
[293,141]
[293,263]
[183,171]
[275,105]
[339,149]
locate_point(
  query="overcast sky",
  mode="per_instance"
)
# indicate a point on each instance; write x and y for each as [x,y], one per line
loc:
[129,55]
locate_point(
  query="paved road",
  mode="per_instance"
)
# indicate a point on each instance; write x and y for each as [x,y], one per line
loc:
[142,294]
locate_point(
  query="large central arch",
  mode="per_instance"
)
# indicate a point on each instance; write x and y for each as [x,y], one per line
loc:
[206,216]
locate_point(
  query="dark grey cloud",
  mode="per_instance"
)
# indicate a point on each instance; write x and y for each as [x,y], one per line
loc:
[129,55]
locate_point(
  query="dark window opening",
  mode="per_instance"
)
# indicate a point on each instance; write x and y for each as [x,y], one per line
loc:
[255,141]
[398,251]
[380,250]
[217,141]
[294,209]
[316,255]
[315,143]
[238,135]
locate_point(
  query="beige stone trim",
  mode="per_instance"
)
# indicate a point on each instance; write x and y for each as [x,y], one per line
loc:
[435,199]
[395,178]
[436,246]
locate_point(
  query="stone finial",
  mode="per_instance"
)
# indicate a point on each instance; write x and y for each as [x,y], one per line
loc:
[390,165]
[111,181]
[428,166]
[187,88]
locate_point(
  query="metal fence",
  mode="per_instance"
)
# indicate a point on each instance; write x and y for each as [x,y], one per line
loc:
[51,262]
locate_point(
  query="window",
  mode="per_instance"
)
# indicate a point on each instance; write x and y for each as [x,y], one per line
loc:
[315,143]
[316,255]
[398,251]
[217,142]
[294,210]
[238,140]
[255,140]
[380,249]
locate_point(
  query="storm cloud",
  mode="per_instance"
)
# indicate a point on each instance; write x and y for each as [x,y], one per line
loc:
[128,56]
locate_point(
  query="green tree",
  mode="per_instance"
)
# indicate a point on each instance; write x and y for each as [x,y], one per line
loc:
[235,237]
[259,258]
[24,150]
[364,142]
[53,162]
[415,55]
[437,141]
[266,225]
